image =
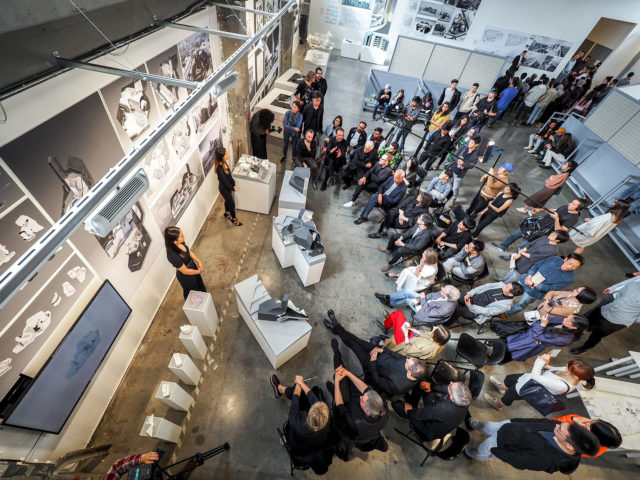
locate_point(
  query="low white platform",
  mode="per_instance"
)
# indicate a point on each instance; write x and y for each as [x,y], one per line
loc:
[201,312]
[291,200]
[254,195]
[287,81]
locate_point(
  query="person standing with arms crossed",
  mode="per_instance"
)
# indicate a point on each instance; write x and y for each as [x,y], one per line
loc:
[226,185]
[188,266]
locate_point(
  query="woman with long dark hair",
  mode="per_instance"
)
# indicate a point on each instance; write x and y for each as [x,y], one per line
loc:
[188,266]
[497,207]
[460,129]
[226,184]
[593,229]
[551,186]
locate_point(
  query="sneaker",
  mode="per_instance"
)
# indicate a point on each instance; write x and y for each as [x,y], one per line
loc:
[360,220]
[522,210]
[274,384]
[577,351]
[348,204]
[385,314]
[533,152]
[384,299]
[384,250]
[385,268]
[498,384]
[527,148]
[493,402]
[497,245]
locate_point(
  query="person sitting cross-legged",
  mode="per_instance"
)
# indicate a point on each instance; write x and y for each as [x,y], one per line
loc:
[404,216]
[488,300]
[410,341]
[468,263]
[386,371]
[440,187]
[388,196]
[361,159]
[418,277]
[455,237]
[430,309]
[410,243]
[444,407]
[372,179]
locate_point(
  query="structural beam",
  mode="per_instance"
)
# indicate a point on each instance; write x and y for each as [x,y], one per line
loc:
[147,77]
[244,9]
[22,270]
[220,33]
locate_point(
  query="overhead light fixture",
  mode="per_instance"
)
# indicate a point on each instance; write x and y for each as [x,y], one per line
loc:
[262,44]
[225,83]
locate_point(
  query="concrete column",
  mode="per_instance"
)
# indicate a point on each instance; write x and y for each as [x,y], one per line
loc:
[238,96]
[286,42]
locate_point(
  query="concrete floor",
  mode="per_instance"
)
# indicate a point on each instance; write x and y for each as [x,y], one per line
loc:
[234,402]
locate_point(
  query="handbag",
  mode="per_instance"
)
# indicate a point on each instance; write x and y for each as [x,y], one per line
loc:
[540,398]
[505,329]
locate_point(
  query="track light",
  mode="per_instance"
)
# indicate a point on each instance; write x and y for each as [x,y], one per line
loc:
[225,83]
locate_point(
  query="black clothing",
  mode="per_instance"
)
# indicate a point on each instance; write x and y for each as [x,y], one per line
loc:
[566,219]
[470,159]
[229,202]
[501,83]
[357,167]
[300,435]
[384,101]
[375,177]
[387,374]
[312,118]
[376,143]
[415,241]
[515,63]
[304,92]
[411,210]
[320,86]
[258,128]
[303,155]
[333,162]
[539,247]
[362,137]
[460,239]
[187,282]
[521,446]
[478,118]
[438,415]
[599,326]
[226,184]
[488,297]
[436,147]
[453,103]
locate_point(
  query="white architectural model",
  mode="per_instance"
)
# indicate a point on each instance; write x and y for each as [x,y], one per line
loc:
[35,326]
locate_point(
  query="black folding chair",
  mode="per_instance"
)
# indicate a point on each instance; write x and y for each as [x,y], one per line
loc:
[479,351]
[446,448]
[445,373]
[470,282]
[293,461]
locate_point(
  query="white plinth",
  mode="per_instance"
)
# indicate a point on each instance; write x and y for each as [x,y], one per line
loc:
[162,429]
[279,341]
[284,249]
[203,315]
[316,58]
[278,101]
[308,268]
[290,199]
[194,343]
[184,368]
[373,55]
[252,195]
[287,81]
[350,48]
[177,398]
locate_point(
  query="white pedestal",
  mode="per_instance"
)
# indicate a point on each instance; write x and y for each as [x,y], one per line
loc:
[279,102]
[290,199]
[287,81]
[284,249]
[373,55]
[253,195]
[177,398]
[184,368]
[308,268]
[203,315]
[316,58]
[194,343]
[162,429]
[279,341]
[350,49]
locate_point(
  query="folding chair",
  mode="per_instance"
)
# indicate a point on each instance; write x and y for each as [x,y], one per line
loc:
[480,352]
[446,448]
[293,461]
[445,373]
[470,282]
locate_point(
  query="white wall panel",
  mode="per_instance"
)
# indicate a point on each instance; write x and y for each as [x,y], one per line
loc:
[410,57]
[483,69]
[446,63]
[611,114]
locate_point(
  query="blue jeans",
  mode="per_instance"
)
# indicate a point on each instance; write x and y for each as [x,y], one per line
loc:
[384,111]
[525,300]
[373,201]
[511,238]
[535,113]
[288,136]
[400,136]
[403,296]
[482,451]
[512,276]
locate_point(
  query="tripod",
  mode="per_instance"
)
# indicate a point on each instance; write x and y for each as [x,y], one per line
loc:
[190,464]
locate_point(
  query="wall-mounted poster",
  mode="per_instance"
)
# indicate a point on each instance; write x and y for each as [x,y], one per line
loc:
[131,107]
[203,113]
[20,228]
[543,53]
[195,57]
[259,68]
[448,19]
[180,189]
[167,64]
[208,146]
[25,334]
[10,193]
[182,136]
[260,20]
[157,165]
[271,58]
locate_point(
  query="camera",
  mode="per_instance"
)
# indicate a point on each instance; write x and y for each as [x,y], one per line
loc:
[274,128]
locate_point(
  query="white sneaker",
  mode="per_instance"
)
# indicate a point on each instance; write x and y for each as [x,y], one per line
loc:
[493,402]
[348,205]
[522,210]
[527,148]
[497,383]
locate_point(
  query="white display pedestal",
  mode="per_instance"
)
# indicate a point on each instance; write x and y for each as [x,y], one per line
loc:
[253,195]
[373,55]
[278,101]
[162,429]
[316,58]
[177,398]
[350,49]
[203,315]
[184,368]
[194,343]
[279,341]
[287,81]
[290,199]
[309,268]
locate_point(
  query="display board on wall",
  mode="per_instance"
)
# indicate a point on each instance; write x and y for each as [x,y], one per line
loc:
[543,53]
[440,18]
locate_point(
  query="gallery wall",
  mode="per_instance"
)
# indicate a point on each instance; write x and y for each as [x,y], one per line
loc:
[59,139]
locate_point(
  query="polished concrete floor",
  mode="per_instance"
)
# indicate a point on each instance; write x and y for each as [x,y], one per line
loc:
[234,402]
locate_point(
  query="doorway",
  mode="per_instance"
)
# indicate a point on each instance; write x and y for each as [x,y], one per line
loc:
[604,38]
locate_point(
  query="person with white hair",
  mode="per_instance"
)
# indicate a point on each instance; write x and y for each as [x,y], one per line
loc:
[444,407]
[388,196]
[432,309]
[361,159]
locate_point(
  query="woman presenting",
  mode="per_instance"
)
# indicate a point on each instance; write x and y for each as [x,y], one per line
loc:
[188,266]
[226,185]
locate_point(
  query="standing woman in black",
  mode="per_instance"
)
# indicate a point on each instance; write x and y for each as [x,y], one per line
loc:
[226,185]
[497,207]
[188,266]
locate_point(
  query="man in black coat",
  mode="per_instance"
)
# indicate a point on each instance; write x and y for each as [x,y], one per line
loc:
[312,114]
[517,62]
[534,444]
[444,408]
[386,371]
[450,94]
[320,83]
[360,160]
[410,243]
[356,137]
[405,215]
[335,154]
[372,180]
[436,148]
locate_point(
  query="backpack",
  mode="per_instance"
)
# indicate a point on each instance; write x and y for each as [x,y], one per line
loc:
[540,398]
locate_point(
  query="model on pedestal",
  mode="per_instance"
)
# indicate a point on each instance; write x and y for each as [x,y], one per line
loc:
[226,185]
[188,266]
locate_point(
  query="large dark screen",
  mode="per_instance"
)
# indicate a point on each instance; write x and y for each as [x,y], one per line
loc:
[56,390]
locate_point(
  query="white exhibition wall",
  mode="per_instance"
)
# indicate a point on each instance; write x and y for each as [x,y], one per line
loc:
[31,110]
[564,20]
